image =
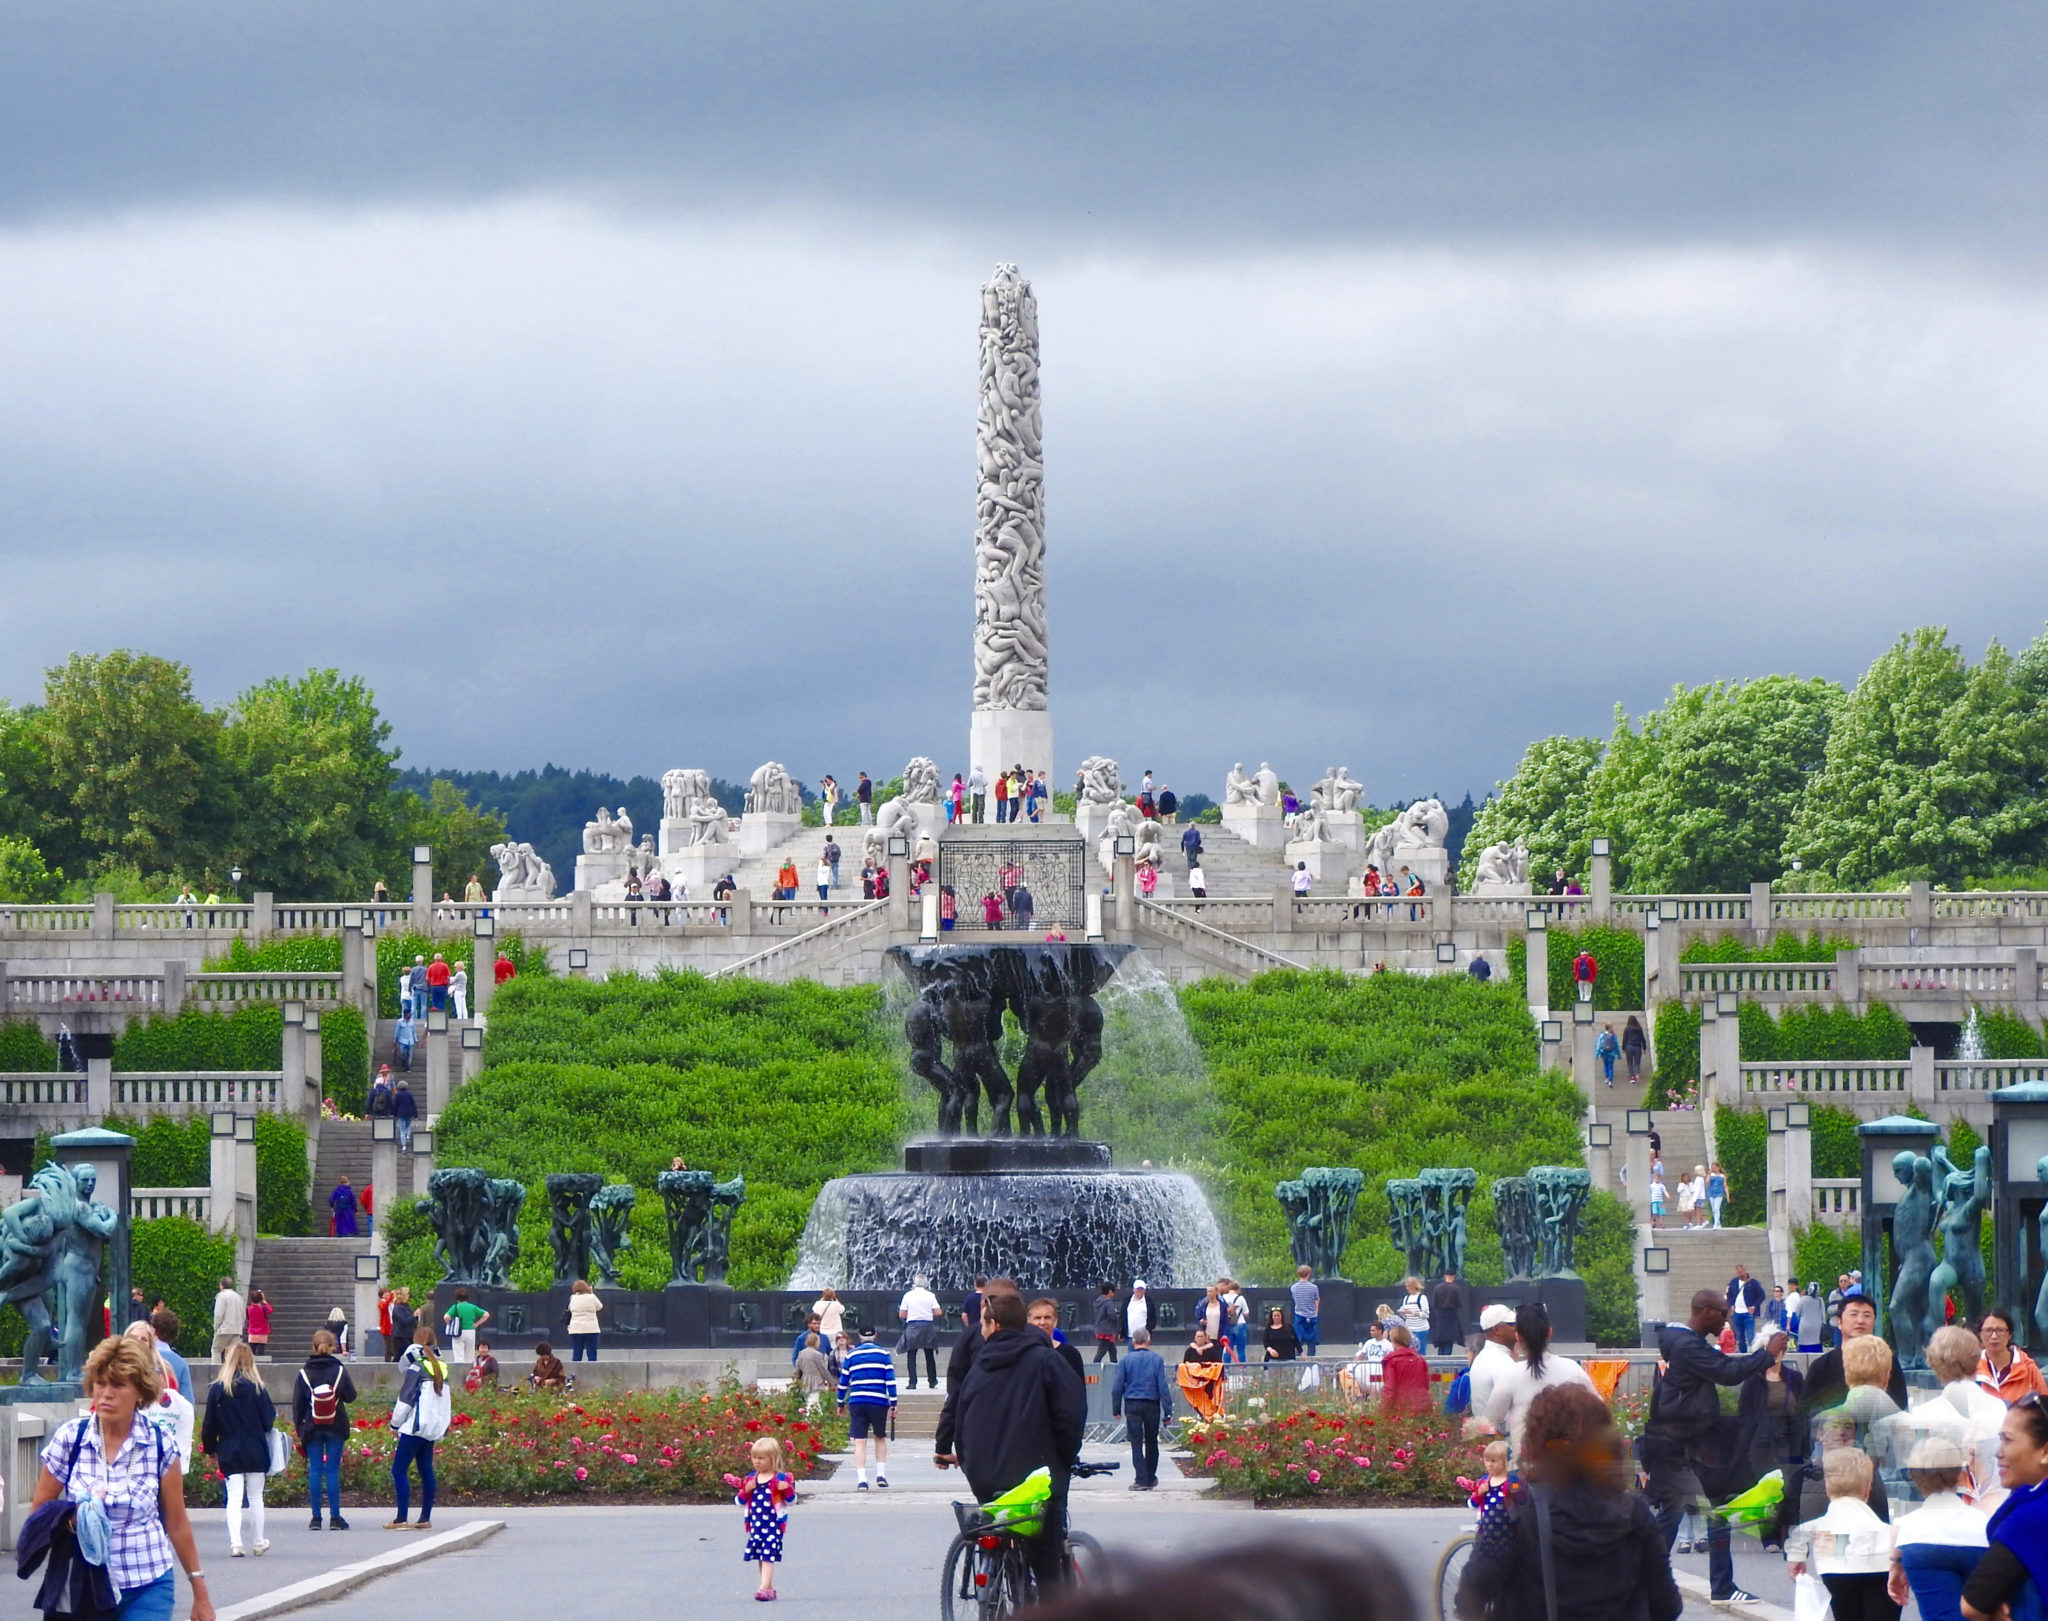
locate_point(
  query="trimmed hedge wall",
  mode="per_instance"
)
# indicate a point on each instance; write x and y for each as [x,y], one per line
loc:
[1619,952]
[171,1153]
[23,1051]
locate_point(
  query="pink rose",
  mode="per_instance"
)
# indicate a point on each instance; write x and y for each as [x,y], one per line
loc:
[1315,1477]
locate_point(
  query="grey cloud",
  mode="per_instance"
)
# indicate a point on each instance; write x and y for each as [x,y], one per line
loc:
[1156,122]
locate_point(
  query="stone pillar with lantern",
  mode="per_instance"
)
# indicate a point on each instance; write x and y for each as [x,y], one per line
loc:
[1536,957]
[483,976]
[422,889]
[437,1061]
[1789,1178]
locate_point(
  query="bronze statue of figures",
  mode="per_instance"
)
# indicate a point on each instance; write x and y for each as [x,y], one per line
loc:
[1913,1246]
[700,1213]
[1444,1192]
[501,1241]
[1561,1194]
[569,1196]
[51,1243]
[1514,1218]
[457,1207]
[1294,1205]
[611,1221]
[1318,1205]
[1961,1198]
[1406,1220]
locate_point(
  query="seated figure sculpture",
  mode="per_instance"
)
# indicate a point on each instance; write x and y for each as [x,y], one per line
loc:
[1098,782]
[1238,789]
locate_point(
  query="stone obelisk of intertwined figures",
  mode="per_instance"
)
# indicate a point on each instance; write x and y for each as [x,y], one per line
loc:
[1011,726]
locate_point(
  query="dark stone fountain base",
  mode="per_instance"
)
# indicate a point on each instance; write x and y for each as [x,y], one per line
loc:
[975,1156]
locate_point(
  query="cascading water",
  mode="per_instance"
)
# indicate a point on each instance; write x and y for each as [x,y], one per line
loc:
[1970,1044]
[1049,1211]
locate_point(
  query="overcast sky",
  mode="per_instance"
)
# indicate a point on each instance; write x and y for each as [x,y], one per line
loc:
[1418,380]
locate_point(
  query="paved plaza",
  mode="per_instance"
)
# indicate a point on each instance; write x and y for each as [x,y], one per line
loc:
[853,1556]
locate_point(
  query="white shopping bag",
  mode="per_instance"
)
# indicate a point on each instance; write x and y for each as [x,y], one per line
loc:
[1810,1600]
[1311,1376]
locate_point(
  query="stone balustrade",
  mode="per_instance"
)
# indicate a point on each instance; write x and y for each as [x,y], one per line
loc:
[1838,1201]
[1761,981]
[170,988]
[1830,1078]
[153,1204]
[1986,1075]
[43,1090]
[141,1093]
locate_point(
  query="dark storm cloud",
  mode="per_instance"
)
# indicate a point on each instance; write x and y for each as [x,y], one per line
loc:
[1419,380]
[1192,123]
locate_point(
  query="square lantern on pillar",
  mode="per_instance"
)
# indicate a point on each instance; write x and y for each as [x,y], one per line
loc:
[1656,1260]
[1599,1134]
[899,847]
[351,917]
[1728,1003]
[295,1014]
[1553,1030]
[1668,911]
[484,927]
[472,1038]
[437,1021]
[369,1268]
[1652,921]
[1798,1116]
[1124,845]
[1603,847]
[312,1021]
[422,854]
[1582,1013]
[579,959]
[383,1129]
[1536,920]
[222,1123]
[1776,1120]
[423,1141]
[369,928]
[1639,1123]
[1446,951]
[245,1128]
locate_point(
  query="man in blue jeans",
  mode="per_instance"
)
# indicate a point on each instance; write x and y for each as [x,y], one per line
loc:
[1142,1395]
[1308,1307]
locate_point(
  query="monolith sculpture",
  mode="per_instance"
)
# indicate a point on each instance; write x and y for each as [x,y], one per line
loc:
[1010,725]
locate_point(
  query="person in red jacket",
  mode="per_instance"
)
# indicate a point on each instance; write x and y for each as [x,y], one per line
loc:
[1585,969]
[437,982]
[1404,1375]
[504,969]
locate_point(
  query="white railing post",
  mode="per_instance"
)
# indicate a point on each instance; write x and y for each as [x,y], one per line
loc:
[262,916]
[174,987]
[1760,910]
[103,916]
[1920,1080]
[1602,883]
[99,1087]
[1849,979]
[422,890]
[2026,994]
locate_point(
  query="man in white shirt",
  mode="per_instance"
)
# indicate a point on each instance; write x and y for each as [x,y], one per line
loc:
[1138,1314]
[977,793]
[919,1311]
[1497,1335]
[230,1318]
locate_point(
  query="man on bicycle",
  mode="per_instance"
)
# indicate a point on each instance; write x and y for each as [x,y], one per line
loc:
[1021,1408]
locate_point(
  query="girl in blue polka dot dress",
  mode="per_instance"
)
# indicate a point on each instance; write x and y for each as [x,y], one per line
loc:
[765,1495]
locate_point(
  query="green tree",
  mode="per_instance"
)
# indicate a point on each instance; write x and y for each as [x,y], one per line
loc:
[135,760]
[1994,760]
[1700,798]
[1884,806]
[461,836]
[317,816]
[1548,801]
[23,877]
[24,772]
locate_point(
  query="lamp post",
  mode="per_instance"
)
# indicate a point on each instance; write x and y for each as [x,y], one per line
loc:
[1600,1153]
[483,981]
[1536,955]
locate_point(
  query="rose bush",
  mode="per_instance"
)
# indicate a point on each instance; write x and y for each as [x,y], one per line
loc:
[618,1446]
[1350,1456]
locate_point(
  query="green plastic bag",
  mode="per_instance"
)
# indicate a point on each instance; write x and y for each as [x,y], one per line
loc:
[1757,1504]
[1021,1509]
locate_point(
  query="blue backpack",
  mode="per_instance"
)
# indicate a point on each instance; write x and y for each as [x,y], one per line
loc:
[1458,1399]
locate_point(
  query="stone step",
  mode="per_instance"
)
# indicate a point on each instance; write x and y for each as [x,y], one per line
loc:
[304,1279]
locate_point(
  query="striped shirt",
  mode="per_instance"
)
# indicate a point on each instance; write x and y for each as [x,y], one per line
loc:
[129,1487]
[868,1375]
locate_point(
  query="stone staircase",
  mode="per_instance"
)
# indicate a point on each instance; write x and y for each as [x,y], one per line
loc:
[304,1279]
[344,1151]
[829,942]
[1228,953]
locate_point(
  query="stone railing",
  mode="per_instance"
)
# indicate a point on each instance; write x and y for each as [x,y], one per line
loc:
[153,1204]
[50,1090]
[1838,1201]
[171,916]
[1992,905]
[1763,981]
[1816,909]
[184,1091]
[1203,938]
[45,919]
[1992,980]
[53,993]
[238,990]
[1986,1075]
[848,920]
[1827,1078]
[34,993]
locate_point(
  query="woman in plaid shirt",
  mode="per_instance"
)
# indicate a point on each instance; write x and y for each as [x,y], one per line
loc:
[130,1464]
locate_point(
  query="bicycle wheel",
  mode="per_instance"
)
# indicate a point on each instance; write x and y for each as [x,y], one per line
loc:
[1449,1567]
[1009,1582]
[1084,1560]
[956,1586]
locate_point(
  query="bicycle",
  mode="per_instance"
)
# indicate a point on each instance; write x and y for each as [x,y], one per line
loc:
[1450,1566]
[988,1568]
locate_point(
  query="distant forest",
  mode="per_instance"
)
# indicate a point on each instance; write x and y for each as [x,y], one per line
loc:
[547,808]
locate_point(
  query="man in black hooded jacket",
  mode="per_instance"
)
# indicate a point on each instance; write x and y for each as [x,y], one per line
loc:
[1021,1407]
[1688,1448]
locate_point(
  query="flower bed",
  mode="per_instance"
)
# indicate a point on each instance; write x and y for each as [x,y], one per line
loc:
[1320,1454]
[603,1446]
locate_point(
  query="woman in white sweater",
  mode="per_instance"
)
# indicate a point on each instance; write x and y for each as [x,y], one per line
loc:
[1536,1369]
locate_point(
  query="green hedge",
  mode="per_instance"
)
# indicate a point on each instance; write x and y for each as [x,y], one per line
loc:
[184,1263]
[300,954]
[174,1153]
[1619,952]
[250,1038]
[1790,947]
[345,1059]
[23,1051]
[793,1084]
[1802,1033]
